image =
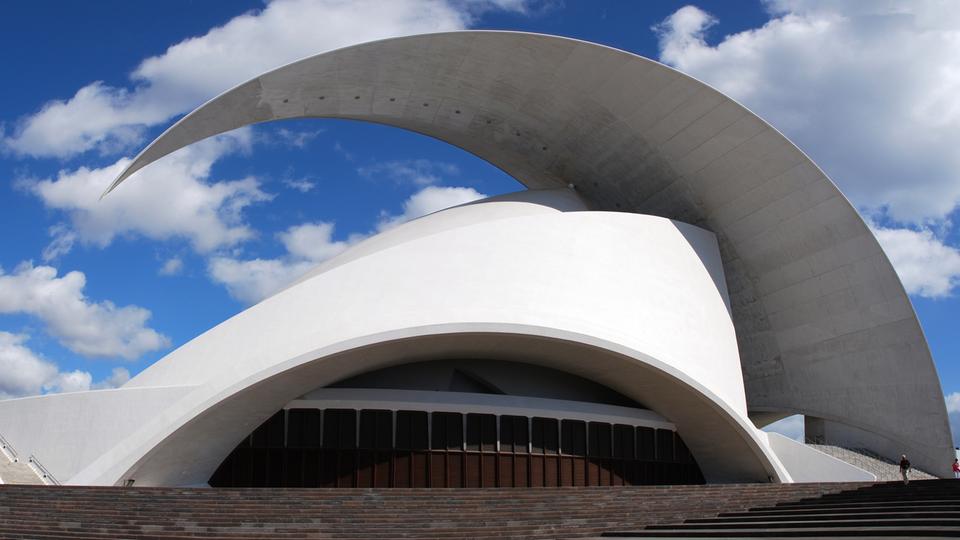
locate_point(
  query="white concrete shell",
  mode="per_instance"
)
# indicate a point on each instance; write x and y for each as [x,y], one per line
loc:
[776,300]
[637,303]
[823,324]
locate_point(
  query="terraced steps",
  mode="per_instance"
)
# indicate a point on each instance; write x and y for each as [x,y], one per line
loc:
[179,513]
[930,508]
[926,508]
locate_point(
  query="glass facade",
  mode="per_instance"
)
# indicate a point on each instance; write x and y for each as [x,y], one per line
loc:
[381,448]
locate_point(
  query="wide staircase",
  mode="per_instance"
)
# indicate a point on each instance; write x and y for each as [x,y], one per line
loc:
[35,512]
[924,508]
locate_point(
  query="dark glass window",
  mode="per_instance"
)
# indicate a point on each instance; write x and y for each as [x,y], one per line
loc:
[683,454]
[573,437]
[270,434]
[646,448]
[623,446]
[599,445]
[340,428]
[376,429]
[412,430]
[514,434]
[447,430]
[303,428]
[664,445]
[482,432]
[544,435]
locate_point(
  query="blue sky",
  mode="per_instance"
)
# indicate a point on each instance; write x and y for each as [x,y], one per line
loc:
[93,292]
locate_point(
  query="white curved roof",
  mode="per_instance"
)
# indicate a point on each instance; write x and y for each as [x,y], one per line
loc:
[823,324]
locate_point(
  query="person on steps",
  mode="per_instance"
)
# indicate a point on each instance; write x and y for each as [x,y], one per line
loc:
[956,468]
[904,468]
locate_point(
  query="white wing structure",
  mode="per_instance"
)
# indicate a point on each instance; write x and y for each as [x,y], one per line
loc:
[677,275]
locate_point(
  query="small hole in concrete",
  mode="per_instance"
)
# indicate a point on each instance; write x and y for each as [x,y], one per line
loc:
[286,101]
[426,104]
[489,121]
[393,99]
[356,97]
[543,147]
[457,111]
[323,97]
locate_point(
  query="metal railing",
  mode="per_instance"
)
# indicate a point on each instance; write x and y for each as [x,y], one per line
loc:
[8,450]
[42,472]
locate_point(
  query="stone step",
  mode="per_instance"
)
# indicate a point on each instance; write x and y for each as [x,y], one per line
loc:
[829,516]
[17,472]
[294,513]
[822,532]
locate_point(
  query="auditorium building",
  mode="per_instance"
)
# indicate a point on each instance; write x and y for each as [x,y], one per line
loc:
[677,276]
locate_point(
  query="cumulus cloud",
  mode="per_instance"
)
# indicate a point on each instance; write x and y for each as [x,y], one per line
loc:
[871,90]
[255,279]
[427,201]
[24,372]
[171,199]
[418,172]
[171,267]
[309,244]
[93,329]
[791,426]
[107,118]
[926,265]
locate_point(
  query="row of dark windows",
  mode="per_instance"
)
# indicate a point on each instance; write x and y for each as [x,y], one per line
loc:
[347,429]
[379,448]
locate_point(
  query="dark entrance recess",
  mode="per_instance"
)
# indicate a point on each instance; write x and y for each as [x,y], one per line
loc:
[380,448]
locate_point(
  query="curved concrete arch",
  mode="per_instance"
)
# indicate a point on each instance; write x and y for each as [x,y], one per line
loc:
[675,351]
[208,426]
[820,314]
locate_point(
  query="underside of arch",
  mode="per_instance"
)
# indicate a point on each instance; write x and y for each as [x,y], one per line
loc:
[725,446]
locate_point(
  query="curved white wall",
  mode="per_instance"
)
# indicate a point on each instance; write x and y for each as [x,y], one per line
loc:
[634,302]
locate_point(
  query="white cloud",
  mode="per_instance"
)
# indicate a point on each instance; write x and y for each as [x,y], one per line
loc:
[926,265]
[297,139]
[791,426]
[118,377]
[870,89]
[302,185]
[108,118]
[312,241]
[94,329]
[309,244]
[171,267]
[63,241]
[171,199]
[953,411]
[418,172]
[24,372]
[253,280]
[427,201]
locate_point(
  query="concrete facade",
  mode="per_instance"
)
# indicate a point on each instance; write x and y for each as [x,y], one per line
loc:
[705,266]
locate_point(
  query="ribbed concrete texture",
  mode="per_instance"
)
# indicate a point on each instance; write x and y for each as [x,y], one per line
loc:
[922,509]
[114,512]
[884,469]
